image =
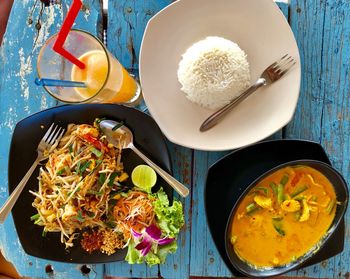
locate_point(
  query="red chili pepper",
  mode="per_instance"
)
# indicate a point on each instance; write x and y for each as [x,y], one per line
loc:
[95,142]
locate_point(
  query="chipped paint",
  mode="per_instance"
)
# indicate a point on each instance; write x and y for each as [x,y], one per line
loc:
[43,103]
[87,14]
[51,12]
[10,122]
[24,71]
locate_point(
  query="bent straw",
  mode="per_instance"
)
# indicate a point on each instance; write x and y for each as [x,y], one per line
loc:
[58,82]
[63,33]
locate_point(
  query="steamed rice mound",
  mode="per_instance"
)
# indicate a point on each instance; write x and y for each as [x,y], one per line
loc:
[213,71]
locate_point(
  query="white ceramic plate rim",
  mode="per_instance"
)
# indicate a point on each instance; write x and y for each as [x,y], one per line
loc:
[218,146]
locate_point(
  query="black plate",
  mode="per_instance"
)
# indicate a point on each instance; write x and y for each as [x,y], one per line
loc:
[25,139]
[231,175]
[342,194]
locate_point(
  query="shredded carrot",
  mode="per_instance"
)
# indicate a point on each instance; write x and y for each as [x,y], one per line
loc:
[134,212]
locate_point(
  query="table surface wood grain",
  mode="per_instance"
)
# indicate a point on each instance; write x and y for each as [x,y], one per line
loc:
[322,31]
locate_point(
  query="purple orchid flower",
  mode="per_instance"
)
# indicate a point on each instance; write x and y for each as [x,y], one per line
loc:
[149,236]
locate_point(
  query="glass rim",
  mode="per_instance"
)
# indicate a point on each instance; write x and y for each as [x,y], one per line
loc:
[108,63]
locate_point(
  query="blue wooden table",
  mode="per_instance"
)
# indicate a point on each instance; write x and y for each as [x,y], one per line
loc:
[322,30]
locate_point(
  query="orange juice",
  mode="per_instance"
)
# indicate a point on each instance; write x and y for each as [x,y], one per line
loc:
[113,86]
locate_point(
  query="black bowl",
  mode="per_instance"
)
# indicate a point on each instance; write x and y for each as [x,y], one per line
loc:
[342,194]
[233,173]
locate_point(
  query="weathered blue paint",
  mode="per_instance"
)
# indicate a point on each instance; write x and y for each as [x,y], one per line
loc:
[19,98]
[126,23]
[322,31]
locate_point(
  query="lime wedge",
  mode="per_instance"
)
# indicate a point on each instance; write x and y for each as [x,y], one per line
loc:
[144,177]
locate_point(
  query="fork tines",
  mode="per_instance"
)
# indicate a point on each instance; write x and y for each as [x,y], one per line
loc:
[53,133]
[284,64]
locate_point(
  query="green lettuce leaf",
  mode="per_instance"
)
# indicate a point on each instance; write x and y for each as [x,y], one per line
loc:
[163,251]
[133,256]
[170,219]
[157,255]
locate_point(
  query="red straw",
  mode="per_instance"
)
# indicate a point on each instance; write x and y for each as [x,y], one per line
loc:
[62,35]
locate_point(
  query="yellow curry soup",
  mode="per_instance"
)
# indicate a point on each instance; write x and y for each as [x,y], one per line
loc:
[283,217]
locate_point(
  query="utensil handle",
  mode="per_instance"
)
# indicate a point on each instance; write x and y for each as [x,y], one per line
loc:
[213,119]
[58,82]
[179,187]
[7,207]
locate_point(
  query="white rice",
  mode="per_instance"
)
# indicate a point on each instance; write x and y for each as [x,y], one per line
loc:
[213,71]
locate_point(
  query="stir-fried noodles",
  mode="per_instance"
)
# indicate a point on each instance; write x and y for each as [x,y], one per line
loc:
[78,188]
[81,192]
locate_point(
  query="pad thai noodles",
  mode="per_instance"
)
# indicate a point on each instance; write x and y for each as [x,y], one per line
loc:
[81,192]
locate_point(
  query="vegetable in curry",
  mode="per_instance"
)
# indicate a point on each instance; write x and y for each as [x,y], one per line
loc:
[283,217]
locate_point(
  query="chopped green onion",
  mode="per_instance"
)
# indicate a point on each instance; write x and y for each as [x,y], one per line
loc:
[70,148]
[35,217]
[61,171]
[284,179]
[101,179]
[80,217]
[298,191]
[120,124]
[112,178]
[280,193]
[314,198]
[274,188]
[278,228]
[277,218]
[330,206]
[43,234]
[82,167]
[97,152]
[251,207]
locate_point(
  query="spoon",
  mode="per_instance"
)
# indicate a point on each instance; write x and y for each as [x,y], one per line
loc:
[120,135]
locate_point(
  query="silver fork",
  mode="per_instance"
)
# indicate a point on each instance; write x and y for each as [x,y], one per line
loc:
[272,73]
[53,133]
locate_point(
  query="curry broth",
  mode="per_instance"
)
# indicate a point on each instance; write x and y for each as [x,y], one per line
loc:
[276,224]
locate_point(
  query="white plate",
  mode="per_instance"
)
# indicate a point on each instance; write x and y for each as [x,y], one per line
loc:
[260,29]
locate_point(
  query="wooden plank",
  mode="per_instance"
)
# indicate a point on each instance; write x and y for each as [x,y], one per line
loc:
[205,260]
[178,264]
[322,30]
[127,20]
[306,20]
[20,97]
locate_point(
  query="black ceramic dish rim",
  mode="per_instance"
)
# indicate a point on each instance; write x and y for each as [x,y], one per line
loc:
[85,105]
[231,154]
[313,251]
[60,109]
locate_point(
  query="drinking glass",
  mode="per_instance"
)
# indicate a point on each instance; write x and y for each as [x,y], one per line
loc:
[106,79]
